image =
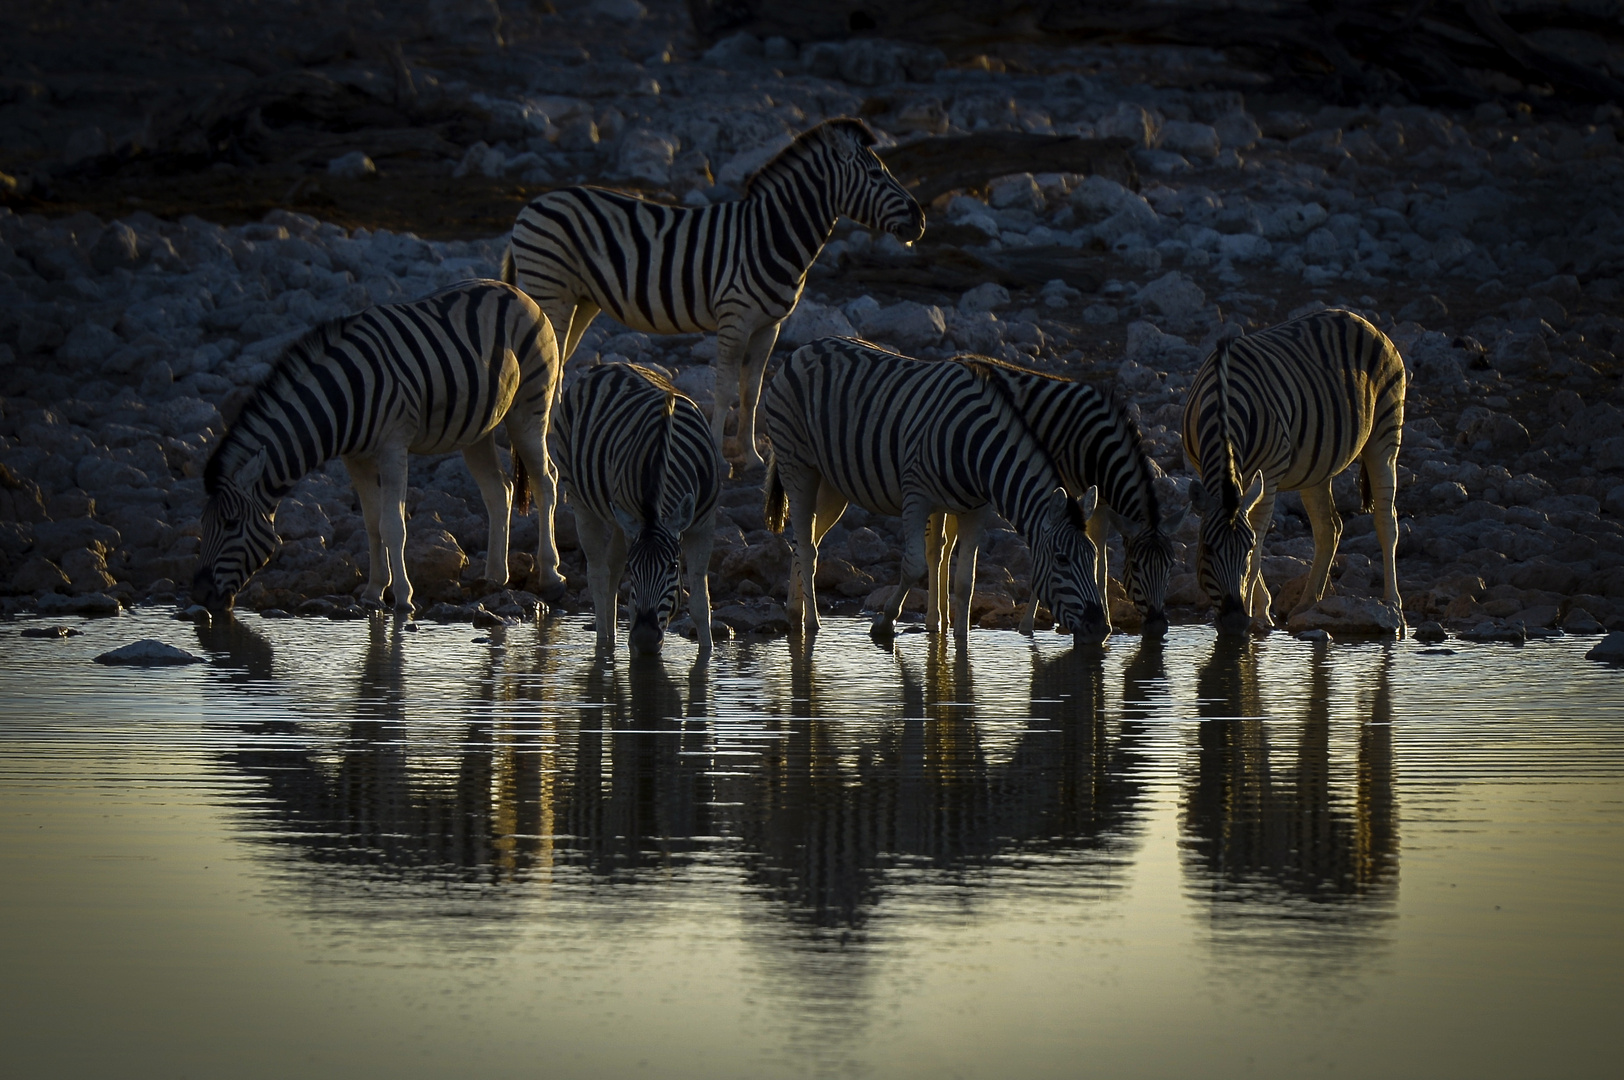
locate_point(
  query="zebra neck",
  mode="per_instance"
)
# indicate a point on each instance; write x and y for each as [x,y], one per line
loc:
[289,454]
[1095,445]
[1019,477]
[792,216]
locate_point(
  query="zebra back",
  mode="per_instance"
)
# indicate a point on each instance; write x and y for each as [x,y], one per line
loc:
[1297,402]
[442,370]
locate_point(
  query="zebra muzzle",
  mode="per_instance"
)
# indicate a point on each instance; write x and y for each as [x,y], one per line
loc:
[645,637]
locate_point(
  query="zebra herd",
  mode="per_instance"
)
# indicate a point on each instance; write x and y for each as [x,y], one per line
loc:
[944,444]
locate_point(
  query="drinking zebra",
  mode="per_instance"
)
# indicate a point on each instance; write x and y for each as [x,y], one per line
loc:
[1291,407]
[638,465]
[735,267]
[852,423]
[1093,442]
[425,377]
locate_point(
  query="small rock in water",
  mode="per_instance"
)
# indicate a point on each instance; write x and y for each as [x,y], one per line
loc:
[315,608]
[274,613]
[1430,632]
[1437,652]
[349,611]
[1312,635]
[1580,621]
[1490,631]
[148,652]
[1610,650]
[195,613]
[487,620]
[50,632]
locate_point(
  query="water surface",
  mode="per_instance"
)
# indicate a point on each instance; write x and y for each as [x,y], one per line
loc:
[344,849]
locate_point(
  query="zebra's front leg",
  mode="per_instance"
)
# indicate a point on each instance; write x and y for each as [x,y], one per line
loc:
[482,461]
[392,522]
[750,377]
[938,554]
[1383,483]
[915,516]
[1253,587]
[1327,526]
[1099,531]
[972,526]
[529,439]
[363,470]
[601,542]
[696,553]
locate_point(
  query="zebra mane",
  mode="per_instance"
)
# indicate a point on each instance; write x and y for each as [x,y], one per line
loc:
[236,445]
[1231,482]
[850,125]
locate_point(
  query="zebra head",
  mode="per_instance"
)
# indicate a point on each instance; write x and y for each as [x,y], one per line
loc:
[1224,551]
[864,189]
[654,561]
[1063,566]
[238,537]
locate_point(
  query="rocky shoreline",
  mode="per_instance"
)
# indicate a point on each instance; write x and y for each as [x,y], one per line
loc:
[1485,243]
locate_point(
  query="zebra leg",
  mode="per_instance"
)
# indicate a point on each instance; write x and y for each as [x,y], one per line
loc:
[696,553]
[750,377]
[1099,531]
[363,470]
[392,522]
[497,492]
[936,559]
[915,516]
[803,519]
[575,320]
[972,527]
[605,548]
[1383,475]
[731,346]
[528,435]
[1327,525]
[1253,587]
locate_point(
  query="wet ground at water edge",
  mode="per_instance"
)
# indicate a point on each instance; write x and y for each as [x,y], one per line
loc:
[347,849]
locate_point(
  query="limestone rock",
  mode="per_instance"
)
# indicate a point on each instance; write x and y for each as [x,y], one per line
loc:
[39,575]
[909,325]
[92,604]
[87,571]
[434,561]
[1348,616]
[149,652]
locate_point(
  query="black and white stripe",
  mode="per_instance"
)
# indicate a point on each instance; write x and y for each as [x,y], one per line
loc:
[639,468]
[425,377]
[1287,409]
[735,267]
[1094,443]
[850,422]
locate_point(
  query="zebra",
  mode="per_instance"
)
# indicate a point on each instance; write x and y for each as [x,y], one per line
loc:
[849,422]
[734,267]
[1094,442]
[427,376]
[639,467]
[1289,408]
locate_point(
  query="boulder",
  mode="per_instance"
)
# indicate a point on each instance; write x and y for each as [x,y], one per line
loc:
[434,562]
[149,652]
[1610,650]
[909,325]
[354,165]
[1174,295]
[39,575]
[86,570]
[1580,621]
[91,604]
[117,246]
[1190,139]
[1348,616]
[984,297]
[810,321]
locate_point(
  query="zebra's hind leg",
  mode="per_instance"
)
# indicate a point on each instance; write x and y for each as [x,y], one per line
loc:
[731,346]
[940,534]
[392,522]
[971,527]
[528,435]
[1383,474]
[1327,525]
[808,497]
[1099,531]
[696,554]
[605,548]
[750,376]
[498,495]
[915,516]
[363,470]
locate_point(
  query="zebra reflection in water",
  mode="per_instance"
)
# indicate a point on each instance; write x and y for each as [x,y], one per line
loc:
[1304,842]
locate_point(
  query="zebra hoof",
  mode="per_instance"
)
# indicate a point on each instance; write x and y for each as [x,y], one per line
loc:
[555,592]
[883,631]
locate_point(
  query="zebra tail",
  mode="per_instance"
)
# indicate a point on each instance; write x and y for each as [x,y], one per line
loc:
[777,509]
[521,487]
[509,273]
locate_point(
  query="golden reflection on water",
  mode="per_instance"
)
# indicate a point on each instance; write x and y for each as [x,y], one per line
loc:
[835,823]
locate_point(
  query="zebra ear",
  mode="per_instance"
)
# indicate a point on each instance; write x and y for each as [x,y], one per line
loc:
[628,524]
[1060,505]
[1089,502]
[682,516]
[1254,492]
[251,471]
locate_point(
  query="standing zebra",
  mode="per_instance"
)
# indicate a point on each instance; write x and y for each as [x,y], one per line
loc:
[852,423]
[639,467]
[1094,443]
[1291,407]
[424,377]
[736,267]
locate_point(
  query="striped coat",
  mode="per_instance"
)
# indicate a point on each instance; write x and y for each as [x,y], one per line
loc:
[736,268]
[852,423]
[1288,409]
[640,470]
[425,377]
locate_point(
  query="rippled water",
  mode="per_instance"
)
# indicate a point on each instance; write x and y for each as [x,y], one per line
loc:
[343,849]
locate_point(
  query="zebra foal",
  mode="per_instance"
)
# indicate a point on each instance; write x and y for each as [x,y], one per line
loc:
[428,376]
[1094,443]
[852,423]
[736,268]
[639,468]
[1290,408]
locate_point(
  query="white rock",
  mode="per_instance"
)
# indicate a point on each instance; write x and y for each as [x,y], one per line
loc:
[1019,191]
[1099,314]
[1174,295]
[1057,294]
[744,164]
[1129,121]
[811,321]
[984,297]
[908,325]
[1243,247]
[1189,139]
[354,165]
[1098,196]
[148,652]
[647,155]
